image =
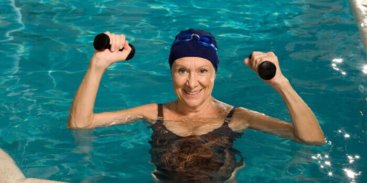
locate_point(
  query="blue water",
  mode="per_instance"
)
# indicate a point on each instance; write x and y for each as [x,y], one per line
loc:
[45,47]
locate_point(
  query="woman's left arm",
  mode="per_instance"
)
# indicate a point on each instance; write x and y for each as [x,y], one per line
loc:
[305,127]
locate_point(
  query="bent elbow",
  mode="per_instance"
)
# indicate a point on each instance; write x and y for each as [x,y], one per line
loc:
[79,124]
[312,137]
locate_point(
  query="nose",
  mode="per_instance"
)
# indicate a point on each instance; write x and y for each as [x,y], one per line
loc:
[192,81]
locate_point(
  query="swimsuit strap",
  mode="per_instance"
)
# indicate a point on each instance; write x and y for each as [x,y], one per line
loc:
[160,113]
[229,115]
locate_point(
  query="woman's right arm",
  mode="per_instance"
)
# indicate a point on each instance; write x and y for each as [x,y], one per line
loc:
[82,114]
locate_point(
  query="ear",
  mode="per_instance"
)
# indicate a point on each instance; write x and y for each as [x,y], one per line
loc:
[214,75]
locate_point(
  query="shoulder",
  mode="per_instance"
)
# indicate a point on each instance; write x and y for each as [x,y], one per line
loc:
[222,106]
[148,112]
[241,119]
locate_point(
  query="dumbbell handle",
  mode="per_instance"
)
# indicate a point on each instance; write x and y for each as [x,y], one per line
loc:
[102,42]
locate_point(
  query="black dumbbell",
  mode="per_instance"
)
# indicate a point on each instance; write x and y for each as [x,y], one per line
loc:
[266,69]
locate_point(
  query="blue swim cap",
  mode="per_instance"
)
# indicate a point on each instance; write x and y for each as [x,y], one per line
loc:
[194,43]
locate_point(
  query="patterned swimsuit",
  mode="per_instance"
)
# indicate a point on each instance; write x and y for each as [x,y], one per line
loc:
[196,158]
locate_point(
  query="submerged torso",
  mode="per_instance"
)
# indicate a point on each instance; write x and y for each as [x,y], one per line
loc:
[194,158]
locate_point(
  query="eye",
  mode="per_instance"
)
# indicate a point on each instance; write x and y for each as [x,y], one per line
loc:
[182,71]
[203,71]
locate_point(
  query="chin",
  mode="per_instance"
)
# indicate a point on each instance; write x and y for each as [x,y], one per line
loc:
[192,103]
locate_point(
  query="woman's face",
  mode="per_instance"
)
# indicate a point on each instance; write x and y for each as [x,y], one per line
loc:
[193,80]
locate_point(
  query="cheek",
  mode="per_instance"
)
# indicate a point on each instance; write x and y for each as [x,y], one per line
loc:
[208,81]
[178,81]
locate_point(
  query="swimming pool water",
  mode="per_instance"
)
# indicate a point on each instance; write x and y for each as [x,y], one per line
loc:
[45,48]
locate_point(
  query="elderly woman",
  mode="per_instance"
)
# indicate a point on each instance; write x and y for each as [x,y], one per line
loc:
[193,135]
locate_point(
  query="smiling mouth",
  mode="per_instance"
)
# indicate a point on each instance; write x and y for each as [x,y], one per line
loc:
[192,93]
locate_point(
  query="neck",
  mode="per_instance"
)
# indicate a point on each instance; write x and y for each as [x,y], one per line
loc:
[185,110]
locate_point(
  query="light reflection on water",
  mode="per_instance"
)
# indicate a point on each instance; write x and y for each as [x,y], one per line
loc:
[335,65]
[332,166]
